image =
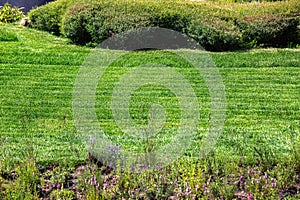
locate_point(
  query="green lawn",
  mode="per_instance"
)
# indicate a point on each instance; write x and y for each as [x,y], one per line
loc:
[38,73]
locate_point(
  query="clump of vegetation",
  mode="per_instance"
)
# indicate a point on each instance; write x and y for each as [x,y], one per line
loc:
[62,195]
[10,14]
[7,35]
[217,27]
[26,184]
[49,17]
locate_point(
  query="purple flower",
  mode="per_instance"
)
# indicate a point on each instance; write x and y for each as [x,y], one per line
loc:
[175,181]
[104,186]
[159,167]
[131,168]
[59,186]
[273,179]
[241,178]
[273,184]
[196,187]
[258,181]
[251,170]
[206,190]
[280,195]
[250,196]
[188,192]
[266,176]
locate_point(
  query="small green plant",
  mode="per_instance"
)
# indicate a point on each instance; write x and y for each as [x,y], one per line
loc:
[62,195]
[26,184]
[10,14]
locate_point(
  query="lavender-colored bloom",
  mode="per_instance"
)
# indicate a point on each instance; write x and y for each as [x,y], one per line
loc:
[175,181]
[132,168]
[188,192]
[206,190]
[196,187]
[251,170]
[250,196]
[258,181]
[273,180]
[104,186]
[58,186]
[241,178]
[280,195]
[266,176]
[159,167]
[273,184]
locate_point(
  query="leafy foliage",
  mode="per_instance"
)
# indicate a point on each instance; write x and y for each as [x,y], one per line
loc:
[10,14]
[49,16]
[217,27]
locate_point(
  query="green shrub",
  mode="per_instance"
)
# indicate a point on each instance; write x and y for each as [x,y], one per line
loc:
[49,17]
[216,35]
[217,27]
[96,21]
[10,14]
[270,30]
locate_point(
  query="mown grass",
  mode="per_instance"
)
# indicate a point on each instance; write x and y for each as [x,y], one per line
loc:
[37,78]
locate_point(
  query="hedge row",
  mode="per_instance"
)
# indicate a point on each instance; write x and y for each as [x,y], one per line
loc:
[217,27]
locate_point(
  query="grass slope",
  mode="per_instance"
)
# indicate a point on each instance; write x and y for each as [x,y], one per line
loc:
[37,74]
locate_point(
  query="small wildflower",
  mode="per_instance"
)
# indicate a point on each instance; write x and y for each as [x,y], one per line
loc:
[266,176]
[241,178]
[251,170]
[188,192]
[250,196]
[132,168]
[273,180]
[104,186]
[258,181]
[59,186]
[273,184]
[196,187]
[280,195]
[206,190]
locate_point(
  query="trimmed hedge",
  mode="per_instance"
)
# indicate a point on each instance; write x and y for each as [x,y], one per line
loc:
[49,17]
[217,27]
[270,30]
